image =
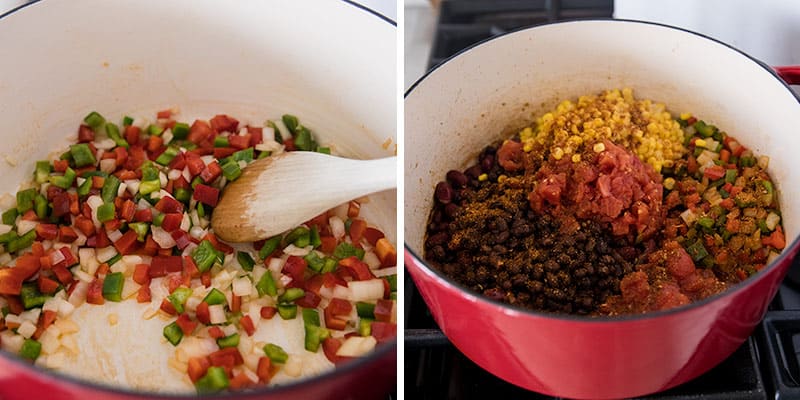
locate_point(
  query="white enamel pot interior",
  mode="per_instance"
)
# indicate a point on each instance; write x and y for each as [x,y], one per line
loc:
[491,90]
[331,63]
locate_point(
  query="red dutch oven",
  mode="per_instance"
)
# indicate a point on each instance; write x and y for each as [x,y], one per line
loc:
[494,88]
[320,60]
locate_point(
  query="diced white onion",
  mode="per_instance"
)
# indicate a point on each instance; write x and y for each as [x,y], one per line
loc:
[772,221]
[337,227]
[31,315]
[27,329]
[276,264]
[130,288]
[24,226]
[49,340]
[167,136]
[216,314]
[11,341]
[372,260]
[106,253]
[174,174]
[83,276]
[366,290]
[5,228]
[689,217]
[105,144]
[108,165]
[162,177]
[114,235]
[293,250]
[69,343]
[242,286]
[78,295]
[65,309]
[356,346]
[763,162]
[186,223]
[293,366]
[197,232]
[270,145]
[385,272]
[162,237]
[56,360]
[13,319]
[133,186]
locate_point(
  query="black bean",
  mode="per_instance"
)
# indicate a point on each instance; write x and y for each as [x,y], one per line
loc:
[487,162]
[473,172]
[437,239]
[451,210]
[457,179]
[443,193]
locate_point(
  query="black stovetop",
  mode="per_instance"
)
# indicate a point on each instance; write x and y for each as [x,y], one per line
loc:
[766,366]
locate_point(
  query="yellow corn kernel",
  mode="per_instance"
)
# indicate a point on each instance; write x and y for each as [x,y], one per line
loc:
[685,116]
[527,147]
[669,183]
[483,177]
[576,158]
[700,143]
[501,178]
[558,153]
[599,147]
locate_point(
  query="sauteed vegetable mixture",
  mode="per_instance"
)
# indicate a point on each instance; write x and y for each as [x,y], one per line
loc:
[123,215]
[606,206]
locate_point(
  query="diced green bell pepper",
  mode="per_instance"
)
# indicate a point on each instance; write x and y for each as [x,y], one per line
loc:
[204,255]
[10,216]
[64,181]
[287,311]
[215,297]
[266,285]
[365,310]
[110,189]
[113,132]
[178,298]
[141,229]
[276,353]
[30,350]
[180,131]
[106,212]
[215,380]
[344,250]
[42,173]
[21,242]
[112,286]
[82,155]
[173,333]
[228,341]
[270,245]
[25,200]
[245,261]
[94,120]
[31,297]
[365,326]
[40,206]
[291,294]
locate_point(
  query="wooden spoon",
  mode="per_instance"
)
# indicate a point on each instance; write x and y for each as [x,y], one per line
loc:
[277,193]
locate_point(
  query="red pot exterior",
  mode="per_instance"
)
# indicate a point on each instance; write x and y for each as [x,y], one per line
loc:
[365,379]
[584,358]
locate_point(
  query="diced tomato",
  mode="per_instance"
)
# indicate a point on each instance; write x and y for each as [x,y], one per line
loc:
[199,131]
[328,244]
[353,209]
[168,263]
[333,322]
[46,262]
[714,172]
[46,231]
[222,152]
[167,307]
[181,238]
[239,141]
[121,154]
[99,240]
[186,324]
[144,295]
[47,285]
[288,144]
[340,306]
[85,134]
[256,135]
[247,325]
[386,253]
[383,331]
[358,269]
[127,243]
[169,205]
[179,162]
[372,235]
[224,123]
[262,371]
[202,313]
[150,246]
[205,278]
[112,225]
[219,355]
[60,165]
[296,268]
[136,157]
[62,274]
[95,292]
[357,228]
[211,172]
[48,317]
[132,133]
[102,270]
[172,221]
[206,195]
[66,234]
[154,143]
[128,211]
[309,300]
[383,310]
[268,312]
[145,215]
[197,367]
[330,280]
[37,249]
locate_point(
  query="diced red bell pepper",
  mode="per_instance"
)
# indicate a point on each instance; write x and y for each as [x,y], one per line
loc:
[288,144]
[85,134]
[247,325]
[386,253]
[67,235]
[218,356]
[296,268]
[144,295]
[11,278]
[224,123]
[169,205]
[776,239]
[197,367]
[154,143]
[48,317]
[132,133]
[236,303]
[127,243]
[339,306]
[172,221]
[206,195]
[239,142]
[309,300]
[202,313]
[195,164]
[263,369]
[199,131]
[168,263]
[353,209]
[383,310]
[205,278]
[145,215]
[136,157]
[141,274]
[357,228]
[61,205]
[220,246]
[60,165]
[179,162]
[63,275]
[112,225]
[167,307]
[328,244]
[383,331]
[714,172]
[334,322]
[211,172]
[95,293]
[85,225]
[240,381]
[186,324]
[47,285]
[372,235]
[181,238]
[46,231]
[330,346]
[268,312]
[256,135]
[358,269]
[222,152]
[128,211]
[121,154]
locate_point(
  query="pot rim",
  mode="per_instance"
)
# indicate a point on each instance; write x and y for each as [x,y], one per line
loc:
[381,351]
[442,278]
